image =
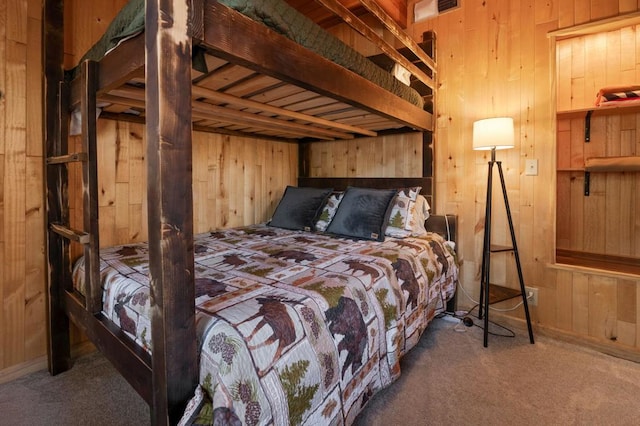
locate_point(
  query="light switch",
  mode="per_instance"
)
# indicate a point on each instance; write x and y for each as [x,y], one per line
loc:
[531,167]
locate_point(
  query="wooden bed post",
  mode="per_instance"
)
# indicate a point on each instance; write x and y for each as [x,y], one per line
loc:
[170,207]
[58,345]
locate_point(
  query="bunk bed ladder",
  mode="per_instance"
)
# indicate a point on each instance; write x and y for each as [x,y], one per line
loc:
[60,159]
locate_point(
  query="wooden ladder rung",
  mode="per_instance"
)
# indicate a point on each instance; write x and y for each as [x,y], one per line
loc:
[70,234]
[69,158]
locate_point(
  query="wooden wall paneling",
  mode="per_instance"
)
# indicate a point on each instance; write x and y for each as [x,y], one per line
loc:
[544,119]
[121,211]
[627,312]
[582,11]
[594,215]
[108,162]
[213,180]
[546,11]
[628,5]
[15,197]
[35,292]
[34,88]
[199,174]
[251,153]
[637,315]
[477,91]
[122,153]
[4,327]
[564,88]
[564,211]
[635,204]
[564,301]
[564,144]
[223,191]
[137,182]
[566,14]
[628,54]
[614,230]
[4,330]
[603,9]
[580,302]
[577,78]
[613,57]
[17,25]
[602,307]
[625,215]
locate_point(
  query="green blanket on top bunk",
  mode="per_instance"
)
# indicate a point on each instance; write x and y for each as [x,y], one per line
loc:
[280,17]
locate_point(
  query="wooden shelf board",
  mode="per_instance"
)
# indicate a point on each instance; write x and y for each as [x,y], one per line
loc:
[498,293]
[571,169]
[603,110]
[496,248]
[599,26]
[618,264]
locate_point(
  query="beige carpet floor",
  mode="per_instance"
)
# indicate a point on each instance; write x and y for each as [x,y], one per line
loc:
[449,378]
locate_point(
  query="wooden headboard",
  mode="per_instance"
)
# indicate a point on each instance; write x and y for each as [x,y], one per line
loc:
[444,225]
[341,183]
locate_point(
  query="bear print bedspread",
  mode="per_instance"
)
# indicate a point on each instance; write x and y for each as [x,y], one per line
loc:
[293,327]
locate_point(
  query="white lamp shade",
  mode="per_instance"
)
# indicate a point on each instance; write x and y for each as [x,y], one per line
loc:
[493,133]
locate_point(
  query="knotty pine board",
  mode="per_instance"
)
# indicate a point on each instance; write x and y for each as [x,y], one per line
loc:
[14,201]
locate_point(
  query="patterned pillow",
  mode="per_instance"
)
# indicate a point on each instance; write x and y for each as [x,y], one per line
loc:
[299,208]
[363,213]
[329,211]
[401,220]
[420,215]
[199,409]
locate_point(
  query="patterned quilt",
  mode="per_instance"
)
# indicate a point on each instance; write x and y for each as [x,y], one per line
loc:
[293,327]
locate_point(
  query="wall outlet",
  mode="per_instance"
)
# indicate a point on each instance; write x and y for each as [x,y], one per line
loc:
[531,167]
[532,296]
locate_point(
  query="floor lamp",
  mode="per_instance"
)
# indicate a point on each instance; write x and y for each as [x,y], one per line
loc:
[494,134]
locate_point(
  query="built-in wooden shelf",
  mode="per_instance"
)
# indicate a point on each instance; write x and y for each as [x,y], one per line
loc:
[599,26]
[498,293]
[620,264]
[601,110]
[570,169]
[496,248]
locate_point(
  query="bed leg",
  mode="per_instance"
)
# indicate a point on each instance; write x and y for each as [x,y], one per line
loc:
[58,340]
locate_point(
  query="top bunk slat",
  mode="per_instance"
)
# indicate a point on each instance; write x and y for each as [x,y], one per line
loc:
[248,63]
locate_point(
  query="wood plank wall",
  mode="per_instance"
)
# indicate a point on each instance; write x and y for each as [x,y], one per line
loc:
[22,289]
[382,156]
[494,59]
[236,181]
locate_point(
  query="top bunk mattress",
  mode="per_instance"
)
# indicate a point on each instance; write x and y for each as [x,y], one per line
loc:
[278,16]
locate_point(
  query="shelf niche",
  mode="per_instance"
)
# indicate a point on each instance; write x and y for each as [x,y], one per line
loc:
[598,151]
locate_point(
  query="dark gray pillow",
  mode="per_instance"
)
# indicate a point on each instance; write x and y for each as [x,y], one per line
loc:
[363,213]
[299,208]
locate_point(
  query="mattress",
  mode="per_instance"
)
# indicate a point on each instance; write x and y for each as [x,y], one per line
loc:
[277,15]
[293,327]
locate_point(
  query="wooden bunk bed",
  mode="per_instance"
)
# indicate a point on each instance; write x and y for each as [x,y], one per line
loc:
[236,95]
